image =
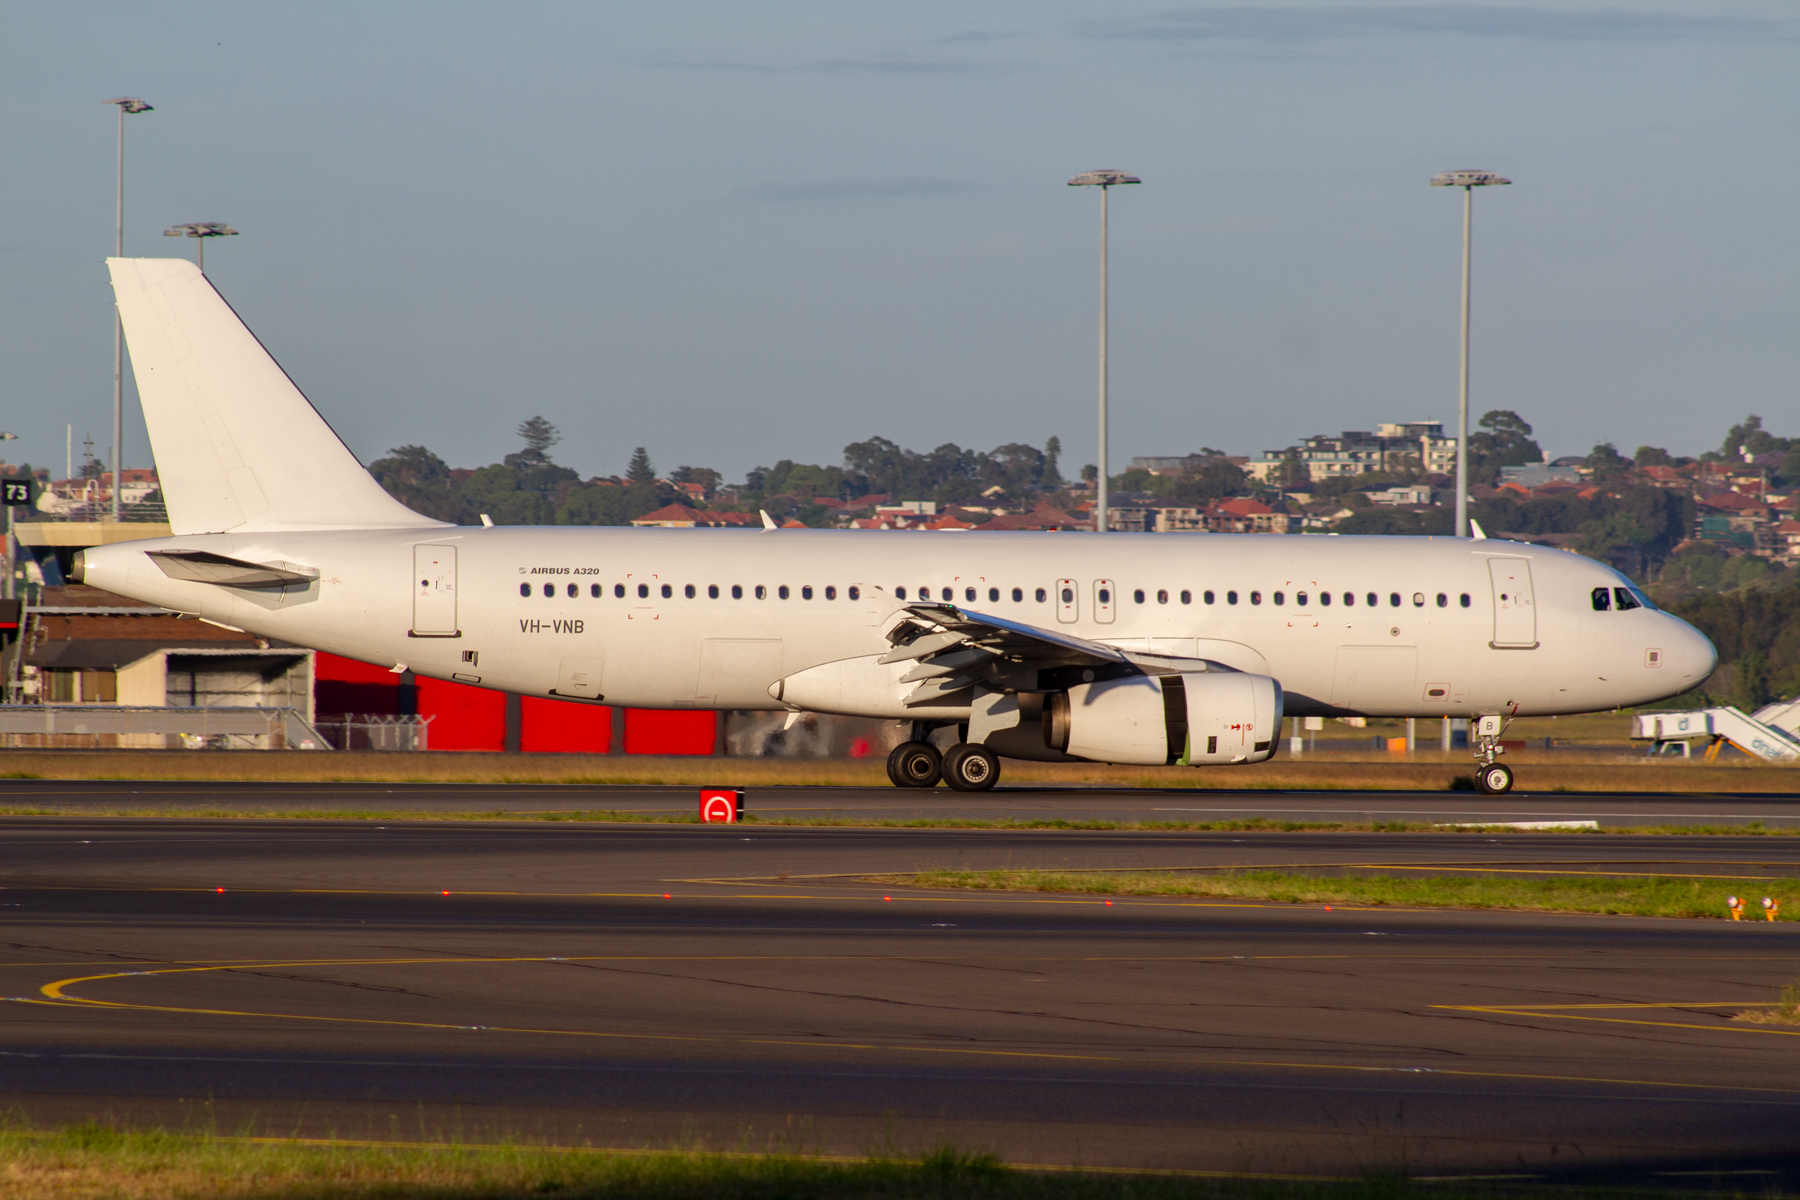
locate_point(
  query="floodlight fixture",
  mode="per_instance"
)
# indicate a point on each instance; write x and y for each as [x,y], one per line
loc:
[1468,181]
[201,230]
[1105,181]
[126,104]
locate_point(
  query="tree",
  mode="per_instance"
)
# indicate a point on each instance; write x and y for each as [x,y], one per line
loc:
[639,470]
[1503,441]
[1605,460]
[1652,456]
[420,480]
[538,435]
[1052,478]
[706,477]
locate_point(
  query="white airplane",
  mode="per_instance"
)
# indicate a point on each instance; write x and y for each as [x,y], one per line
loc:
[1116,648]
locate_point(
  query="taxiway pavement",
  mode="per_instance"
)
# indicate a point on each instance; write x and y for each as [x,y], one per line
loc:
[742,986]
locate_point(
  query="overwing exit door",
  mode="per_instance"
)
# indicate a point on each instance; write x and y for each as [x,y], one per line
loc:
[1515,613]
[434,591]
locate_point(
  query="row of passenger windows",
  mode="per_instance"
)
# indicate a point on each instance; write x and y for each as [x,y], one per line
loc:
[1040,595]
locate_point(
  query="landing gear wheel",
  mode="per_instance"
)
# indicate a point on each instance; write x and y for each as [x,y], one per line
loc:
[970,768]
[915,765]
[1495,779]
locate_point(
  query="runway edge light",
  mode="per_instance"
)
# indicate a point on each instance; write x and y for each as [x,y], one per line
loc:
[1736,906]
[721,805]
[1771,907]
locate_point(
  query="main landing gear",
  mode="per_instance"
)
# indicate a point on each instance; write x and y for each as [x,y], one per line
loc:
[966,767]
[1492,778]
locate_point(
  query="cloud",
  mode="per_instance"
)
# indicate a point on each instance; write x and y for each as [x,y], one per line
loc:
[891,66]
[857,189]
[1309,24]
[980,35]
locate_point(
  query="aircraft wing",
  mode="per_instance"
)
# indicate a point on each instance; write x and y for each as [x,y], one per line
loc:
[956,648]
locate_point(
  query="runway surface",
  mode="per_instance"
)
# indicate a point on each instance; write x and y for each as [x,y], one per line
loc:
[646,985]
[1126,805]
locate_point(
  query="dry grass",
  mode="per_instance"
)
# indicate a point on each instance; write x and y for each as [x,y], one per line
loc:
[1540,771]
[98,1163]
[1785,1011]
[1645,896]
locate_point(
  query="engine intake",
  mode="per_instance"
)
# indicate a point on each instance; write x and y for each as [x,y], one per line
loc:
[1222,717]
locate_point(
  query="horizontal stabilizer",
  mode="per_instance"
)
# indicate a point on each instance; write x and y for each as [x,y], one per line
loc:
[200,566]
[238,448]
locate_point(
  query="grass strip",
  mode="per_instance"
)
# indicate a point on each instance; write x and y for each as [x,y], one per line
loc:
[92,1162]
[1645,896]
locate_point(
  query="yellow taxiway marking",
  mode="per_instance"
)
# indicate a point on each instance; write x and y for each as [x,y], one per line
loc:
[55,995]
[1573,1012]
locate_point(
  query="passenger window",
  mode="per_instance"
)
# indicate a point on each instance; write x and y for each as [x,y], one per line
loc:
[1625,600]
[712,591]
[831,593]
[969,594]
[854,592]
[688,591]
[1162,597]
[1393,599]
[619,591]
[1187,597]
[782,591]
[762,593]
[1279,598]
[1325,599]
[1042,595]
[1373,600]
[1465,599]
[1443,600]
[1349,599]
[993,595]
[1256,597]
[1018,595]
[572,591]
[643,591]
[737,591]
[1105,596]
[1418,599]
[1602,598]
[1231,597]
[524,589]
[549,589]
[1068,595]
[806,592]
[594,591]
[924,593]
[667,591]
[900,593]
[1137,596]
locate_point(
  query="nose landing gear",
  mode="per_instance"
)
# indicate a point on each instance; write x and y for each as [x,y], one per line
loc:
[1492,778]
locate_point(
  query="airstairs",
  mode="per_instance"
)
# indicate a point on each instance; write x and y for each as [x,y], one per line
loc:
[1771,733]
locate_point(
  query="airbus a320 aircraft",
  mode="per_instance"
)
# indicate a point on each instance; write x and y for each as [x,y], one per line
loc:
[1115,648]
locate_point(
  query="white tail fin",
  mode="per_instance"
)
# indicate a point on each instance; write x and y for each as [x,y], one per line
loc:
[238,448]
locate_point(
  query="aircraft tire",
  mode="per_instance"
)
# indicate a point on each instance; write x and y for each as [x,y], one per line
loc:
[915,765]
[1495,779]
[971,768]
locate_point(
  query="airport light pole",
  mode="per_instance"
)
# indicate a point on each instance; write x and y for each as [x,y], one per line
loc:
[127,104]
[1105,181]
[1468,181]
[201,230]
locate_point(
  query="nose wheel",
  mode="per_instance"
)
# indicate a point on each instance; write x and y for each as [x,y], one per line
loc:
[1494,779]
[915,765]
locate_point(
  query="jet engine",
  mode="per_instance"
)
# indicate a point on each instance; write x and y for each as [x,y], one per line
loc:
[1216,717]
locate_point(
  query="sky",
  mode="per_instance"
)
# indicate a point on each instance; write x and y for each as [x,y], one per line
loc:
[738,233]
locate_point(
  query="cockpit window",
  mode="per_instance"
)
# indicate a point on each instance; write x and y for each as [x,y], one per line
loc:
[1602,599]
[1625,598]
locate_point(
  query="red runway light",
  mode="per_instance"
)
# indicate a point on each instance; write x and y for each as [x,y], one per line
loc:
[887,897]
[221,890]
[1109,904]
[1328,908]
[443,893]
[666,896]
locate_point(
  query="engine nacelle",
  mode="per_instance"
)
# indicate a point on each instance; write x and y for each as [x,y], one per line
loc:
[1212,718]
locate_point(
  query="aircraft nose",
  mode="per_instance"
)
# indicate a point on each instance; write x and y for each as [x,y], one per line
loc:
[1690,653]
